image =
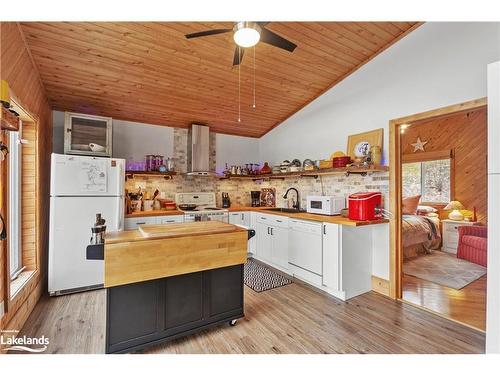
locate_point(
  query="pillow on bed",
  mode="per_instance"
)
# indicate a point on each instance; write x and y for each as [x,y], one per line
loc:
[410,205]
[424,210]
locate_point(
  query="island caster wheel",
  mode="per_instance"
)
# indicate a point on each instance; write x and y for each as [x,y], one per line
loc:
[232,323]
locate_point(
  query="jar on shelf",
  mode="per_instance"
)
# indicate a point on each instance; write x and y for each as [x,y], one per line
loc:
[158,162]
[149,163]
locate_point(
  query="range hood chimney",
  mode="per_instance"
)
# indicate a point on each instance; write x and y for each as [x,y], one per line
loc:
[198,153]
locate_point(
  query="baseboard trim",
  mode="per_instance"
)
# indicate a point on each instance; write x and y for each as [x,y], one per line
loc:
[380,285]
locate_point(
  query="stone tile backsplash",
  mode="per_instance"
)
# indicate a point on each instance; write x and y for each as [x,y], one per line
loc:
[239,190]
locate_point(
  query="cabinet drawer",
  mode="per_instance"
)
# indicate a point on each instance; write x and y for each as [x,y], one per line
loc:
[453,227]
[133,223]
[273,220]
[170,219]
[451,237]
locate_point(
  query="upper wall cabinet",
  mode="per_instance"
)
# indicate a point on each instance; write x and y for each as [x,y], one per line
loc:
[87,135]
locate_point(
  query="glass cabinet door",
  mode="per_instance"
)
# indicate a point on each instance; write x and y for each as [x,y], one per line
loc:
[89,135]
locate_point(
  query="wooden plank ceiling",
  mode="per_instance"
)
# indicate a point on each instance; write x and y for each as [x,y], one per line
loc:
[148,72]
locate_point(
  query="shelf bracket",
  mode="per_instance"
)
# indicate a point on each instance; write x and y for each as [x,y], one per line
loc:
[315,176]
[348,173]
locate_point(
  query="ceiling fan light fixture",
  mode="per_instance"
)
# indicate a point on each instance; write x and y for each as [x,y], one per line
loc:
[246,34]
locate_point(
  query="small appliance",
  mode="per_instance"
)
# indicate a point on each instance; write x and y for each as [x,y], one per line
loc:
[255,195]
[226,202]
[325,204]
[365,206]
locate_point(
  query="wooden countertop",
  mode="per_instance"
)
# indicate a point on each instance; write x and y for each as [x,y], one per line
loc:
[307,216]
[302,215]
[161,212]
[174,230]
[171,249]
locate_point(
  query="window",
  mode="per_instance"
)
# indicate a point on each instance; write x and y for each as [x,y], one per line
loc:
[14,199]
[431,179]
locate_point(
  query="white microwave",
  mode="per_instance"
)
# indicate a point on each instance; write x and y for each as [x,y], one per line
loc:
[325,205]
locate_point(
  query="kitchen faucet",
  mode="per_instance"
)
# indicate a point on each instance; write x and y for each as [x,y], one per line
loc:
[297,203]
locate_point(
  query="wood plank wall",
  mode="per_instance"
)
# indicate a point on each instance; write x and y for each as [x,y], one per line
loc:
[28,204]
[465,133]
[18,69]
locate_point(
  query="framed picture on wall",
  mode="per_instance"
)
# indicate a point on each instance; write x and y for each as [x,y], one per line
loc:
[360,144]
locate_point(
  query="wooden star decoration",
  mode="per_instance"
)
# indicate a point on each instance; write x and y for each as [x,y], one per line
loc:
[419,145]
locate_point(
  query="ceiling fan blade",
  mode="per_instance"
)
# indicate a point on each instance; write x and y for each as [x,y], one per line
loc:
[207,32]
[273,39]
[262,24]
[237,59]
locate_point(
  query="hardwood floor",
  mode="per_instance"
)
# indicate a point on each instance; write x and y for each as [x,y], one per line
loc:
[290,319]
[467,305]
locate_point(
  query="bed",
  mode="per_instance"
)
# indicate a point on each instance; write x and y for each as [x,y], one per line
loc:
[420,234]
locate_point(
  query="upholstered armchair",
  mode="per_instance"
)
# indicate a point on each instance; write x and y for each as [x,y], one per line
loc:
[473,244]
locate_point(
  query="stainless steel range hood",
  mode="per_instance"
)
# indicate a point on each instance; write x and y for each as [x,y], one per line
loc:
[198,153]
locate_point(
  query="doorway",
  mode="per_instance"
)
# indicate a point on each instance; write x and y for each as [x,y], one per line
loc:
[438,188]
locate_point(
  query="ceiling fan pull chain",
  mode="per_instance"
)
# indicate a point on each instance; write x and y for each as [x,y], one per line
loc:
[253,106]
[239,84]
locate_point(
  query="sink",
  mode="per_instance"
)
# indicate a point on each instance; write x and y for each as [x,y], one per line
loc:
[287,210]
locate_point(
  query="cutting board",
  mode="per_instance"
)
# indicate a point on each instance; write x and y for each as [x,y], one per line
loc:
[185,229]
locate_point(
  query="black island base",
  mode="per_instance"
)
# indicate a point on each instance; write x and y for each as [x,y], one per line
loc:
[152,312]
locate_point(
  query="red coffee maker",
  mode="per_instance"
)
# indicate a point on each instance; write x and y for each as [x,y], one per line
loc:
[365,206]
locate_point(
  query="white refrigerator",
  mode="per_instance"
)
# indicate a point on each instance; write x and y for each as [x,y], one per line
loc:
[80,188]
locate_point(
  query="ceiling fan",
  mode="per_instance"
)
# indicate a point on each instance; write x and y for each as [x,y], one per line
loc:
[248,34]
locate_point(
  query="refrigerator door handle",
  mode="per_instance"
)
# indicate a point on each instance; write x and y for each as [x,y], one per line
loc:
[119,219]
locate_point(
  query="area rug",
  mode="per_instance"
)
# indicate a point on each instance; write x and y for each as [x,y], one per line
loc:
[261,278]
[444,269]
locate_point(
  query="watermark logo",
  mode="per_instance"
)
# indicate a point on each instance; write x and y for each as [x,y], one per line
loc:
[9,341]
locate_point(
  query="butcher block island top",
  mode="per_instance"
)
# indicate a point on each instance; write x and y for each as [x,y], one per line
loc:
[164,250]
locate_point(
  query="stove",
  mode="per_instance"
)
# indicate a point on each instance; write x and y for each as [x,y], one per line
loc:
[205,210]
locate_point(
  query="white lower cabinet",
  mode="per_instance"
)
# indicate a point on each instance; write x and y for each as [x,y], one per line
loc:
[134,222]
[239,218]
[244,219]
[264,242]
[279,249]
[347,260]
[272,240]
[332,257]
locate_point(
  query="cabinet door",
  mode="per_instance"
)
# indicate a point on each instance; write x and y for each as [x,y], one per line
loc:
[133,313]
[235,218]
[331,256]
[264,242]
[225,291]
[279,239]
[183,300]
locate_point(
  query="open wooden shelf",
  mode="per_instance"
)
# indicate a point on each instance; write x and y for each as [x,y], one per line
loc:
[166,175]
[312,174]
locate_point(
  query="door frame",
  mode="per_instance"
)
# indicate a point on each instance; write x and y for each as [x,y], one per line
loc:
[395,189]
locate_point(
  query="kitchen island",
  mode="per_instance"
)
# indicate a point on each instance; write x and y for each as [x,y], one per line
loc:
[167,281]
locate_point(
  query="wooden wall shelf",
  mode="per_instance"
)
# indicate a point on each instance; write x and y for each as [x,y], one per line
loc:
[312,174]
[166,175]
